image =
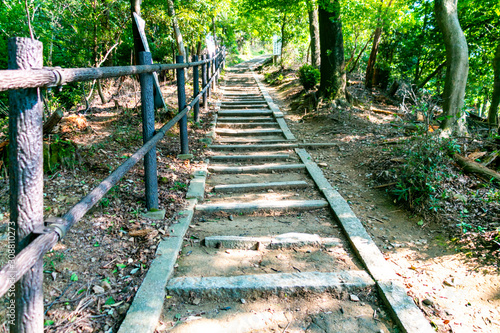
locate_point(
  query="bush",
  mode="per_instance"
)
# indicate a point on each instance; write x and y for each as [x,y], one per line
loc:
[309,76]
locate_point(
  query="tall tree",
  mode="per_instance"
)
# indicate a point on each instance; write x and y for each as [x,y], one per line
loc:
[135,7]
[457,66]
[495,99]
[333,77]
[377,35]
[314,32]
[177,32]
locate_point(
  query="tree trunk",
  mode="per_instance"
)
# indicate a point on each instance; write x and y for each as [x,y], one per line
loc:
[373,58]
[355,64]
[431,75]
[495,98]
[177,32]
[135,7]
[333,77]
[53,120]
[283,38]
[314,33]
[457,69]
[474,167]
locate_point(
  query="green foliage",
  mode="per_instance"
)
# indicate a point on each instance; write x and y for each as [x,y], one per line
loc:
[309,76]
[427,163]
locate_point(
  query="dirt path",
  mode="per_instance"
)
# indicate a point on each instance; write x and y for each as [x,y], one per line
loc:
[263,252]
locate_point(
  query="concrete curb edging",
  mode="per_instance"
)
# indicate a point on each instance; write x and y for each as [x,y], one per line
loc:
[146,308]
[403,309]
[278,115]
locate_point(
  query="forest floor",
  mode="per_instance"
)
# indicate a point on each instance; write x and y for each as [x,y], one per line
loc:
[92,275]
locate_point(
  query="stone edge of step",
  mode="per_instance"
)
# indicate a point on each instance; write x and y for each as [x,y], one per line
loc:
[391,288]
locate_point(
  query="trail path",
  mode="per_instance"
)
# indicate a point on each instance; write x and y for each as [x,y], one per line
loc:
[268,244]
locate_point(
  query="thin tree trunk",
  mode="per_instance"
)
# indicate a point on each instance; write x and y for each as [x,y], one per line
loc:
[431,75]
[355,64]
[177,32]
[314,33]
[457,69]
[135,7]
[333,77]
[495,99]
[283,40]
[373,58]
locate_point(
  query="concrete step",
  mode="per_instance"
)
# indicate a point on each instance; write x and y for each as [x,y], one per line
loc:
[277,146]
[252,285]
[259,206]
[264,157]
[259,186]
[249,112]
[230,140]
[284,241]
[246,102]
[243,107]
[247,132]
[266,168]
[241,125]
[222,119]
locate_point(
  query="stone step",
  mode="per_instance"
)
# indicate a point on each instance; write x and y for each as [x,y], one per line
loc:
[249,112]
[259,186]
[276,146]
[252,106]
[266,168]
[284,241]
[263,205]
[241,125]
[259,101]
[250,285]
[247,132]
[230,140]
[245,119]
[264,157]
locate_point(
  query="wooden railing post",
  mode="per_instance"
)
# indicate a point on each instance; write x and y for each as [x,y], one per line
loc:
[181,100]
[148,129]
[209,76]
[204,82]
[196,89]
[26,183]
[214,73]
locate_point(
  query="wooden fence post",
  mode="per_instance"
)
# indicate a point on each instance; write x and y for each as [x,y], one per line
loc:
[214,72]
[26,182]
[148,129]
[196,89]
[209,76]
[204,82]
[181,98]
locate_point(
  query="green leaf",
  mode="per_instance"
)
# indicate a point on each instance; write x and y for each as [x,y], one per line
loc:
[110,301]
[420,223]
[74,277]
[121,266]
[96,244]
[48,323]
[82,290]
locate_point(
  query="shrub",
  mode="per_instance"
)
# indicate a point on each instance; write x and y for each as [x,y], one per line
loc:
[309,76]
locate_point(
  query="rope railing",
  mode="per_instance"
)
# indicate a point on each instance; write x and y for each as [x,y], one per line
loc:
[34,236]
